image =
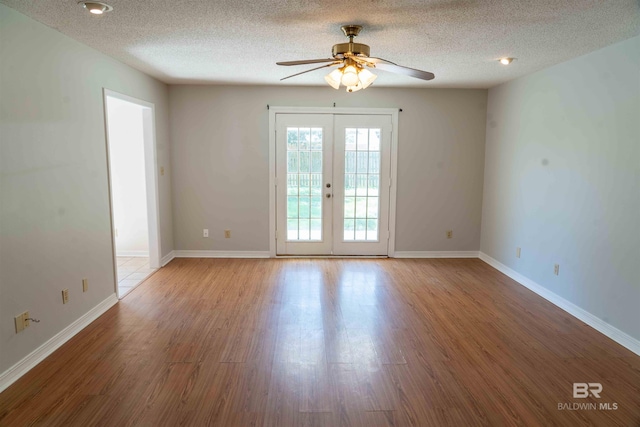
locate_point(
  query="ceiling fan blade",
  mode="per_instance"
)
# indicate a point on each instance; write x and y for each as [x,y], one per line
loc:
[306,61]
[313,69]
[385,65]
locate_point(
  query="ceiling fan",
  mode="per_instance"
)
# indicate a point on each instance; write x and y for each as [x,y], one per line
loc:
[354,60]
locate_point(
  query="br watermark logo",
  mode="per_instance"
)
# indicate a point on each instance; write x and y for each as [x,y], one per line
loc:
[583,391]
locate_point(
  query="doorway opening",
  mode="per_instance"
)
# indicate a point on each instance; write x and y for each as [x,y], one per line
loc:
[133,189]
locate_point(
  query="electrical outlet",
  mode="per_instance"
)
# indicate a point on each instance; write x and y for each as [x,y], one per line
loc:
[205,232]
[65,296]
[449,234]
[517,252]
[85,285]
[227,234]
[556,269]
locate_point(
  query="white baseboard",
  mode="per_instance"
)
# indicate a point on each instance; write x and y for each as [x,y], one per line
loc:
[133,253]
[435,254]
[12,374]
[596,323]
[167,258]
[221,254]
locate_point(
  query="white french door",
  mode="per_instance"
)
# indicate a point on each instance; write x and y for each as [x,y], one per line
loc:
[332,184]
[303,170]
[361,177]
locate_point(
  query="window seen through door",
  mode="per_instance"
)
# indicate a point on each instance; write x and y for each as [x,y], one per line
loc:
[361,184]
[304,184]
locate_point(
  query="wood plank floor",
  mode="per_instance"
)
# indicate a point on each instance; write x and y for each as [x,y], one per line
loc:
[313,342]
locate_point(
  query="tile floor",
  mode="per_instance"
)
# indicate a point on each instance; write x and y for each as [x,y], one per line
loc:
[131,272]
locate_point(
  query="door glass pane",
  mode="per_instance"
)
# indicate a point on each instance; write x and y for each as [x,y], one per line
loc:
[373,185]
[362,164]
[292,161]
[350,139]
[361,184]
[349,184]
[349,225]
[316,207]
[350,162]
[304,230]
[292,139]
[316,229]
[361,229]
[374,139]
[292,184]
[349,207]
[304,184]
[304,161]
[304,139]
[372,229]
[316,184]
[363,140]
[292,207]
[292,229]
[316,139]
[316,161]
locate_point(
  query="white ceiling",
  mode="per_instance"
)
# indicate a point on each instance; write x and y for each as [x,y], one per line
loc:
[238,42]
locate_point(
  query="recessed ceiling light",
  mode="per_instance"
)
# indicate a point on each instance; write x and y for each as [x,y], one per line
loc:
[95,7]
[506,61]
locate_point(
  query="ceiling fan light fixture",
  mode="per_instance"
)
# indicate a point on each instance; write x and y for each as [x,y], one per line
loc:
[353,77]
[366,77]
[355,87]
[506,61]
[96,8]
[350,76]
[333,78]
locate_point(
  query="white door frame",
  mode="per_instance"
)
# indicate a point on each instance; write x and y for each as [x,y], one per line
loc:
[151,176]
[273,111]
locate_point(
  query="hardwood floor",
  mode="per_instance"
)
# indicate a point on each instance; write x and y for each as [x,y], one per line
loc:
[313,342]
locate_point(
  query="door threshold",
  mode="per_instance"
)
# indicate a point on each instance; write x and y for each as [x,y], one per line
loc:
[335,256]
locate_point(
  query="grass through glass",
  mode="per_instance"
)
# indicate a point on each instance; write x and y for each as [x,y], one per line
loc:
[361,184]
[304,184]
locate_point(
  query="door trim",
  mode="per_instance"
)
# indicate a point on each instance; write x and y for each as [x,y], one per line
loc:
[151,178]
[273,111]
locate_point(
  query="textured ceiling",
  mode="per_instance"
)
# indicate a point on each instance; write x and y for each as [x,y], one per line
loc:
[238,42]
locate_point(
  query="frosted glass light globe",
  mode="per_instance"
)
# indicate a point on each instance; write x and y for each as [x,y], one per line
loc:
[350,76]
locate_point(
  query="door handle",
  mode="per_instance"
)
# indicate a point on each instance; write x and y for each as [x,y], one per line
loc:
[328,195]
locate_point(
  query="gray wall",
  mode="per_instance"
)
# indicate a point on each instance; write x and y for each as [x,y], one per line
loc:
[54,203]
[221,162]
[562,181]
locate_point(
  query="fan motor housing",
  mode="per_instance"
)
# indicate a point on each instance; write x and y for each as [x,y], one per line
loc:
[355,49]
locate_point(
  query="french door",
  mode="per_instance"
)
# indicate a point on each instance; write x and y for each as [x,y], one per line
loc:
[332,184]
